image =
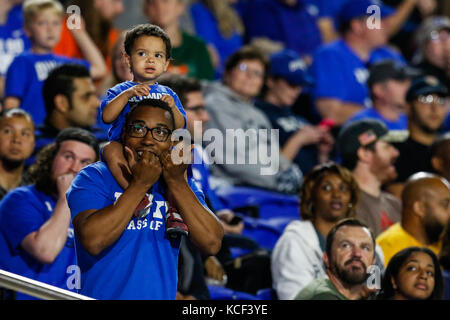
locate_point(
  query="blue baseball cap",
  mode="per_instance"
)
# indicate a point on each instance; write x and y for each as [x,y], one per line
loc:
[287,64]
[353,9]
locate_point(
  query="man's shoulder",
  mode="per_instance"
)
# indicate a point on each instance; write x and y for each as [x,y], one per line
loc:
[319,289]
[23,194]
[391,235]
[99,168]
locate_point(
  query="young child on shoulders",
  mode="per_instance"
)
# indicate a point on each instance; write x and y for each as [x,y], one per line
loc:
[147,52]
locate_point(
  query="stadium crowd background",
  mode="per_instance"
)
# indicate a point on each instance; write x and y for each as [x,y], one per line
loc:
[362,112]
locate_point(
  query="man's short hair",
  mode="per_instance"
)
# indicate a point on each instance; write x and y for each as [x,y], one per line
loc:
[60,81]
[152,103]
[31,8]
[246,53]
[352,222]
[181,85]
[16,112]
[146,29]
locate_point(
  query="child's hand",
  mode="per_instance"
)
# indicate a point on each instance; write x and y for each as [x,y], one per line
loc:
[169,100]
[139,90]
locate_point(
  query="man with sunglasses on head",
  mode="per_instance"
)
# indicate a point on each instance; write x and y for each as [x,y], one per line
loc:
[427,107]
[122,248]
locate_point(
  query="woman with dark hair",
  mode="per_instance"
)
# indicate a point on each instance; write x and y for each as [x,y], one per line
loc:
[412,274]
[329,193]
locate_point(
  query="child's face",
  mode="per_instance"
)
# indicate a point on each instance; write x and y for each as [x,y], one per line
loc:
[148,59]
[45,30]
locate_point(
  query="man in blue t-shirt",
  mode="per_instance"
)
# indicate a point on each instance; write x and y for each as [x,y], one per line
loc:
[70,101]
[122,247]
[340,68]
[388,83]
[288,22]
[36,234]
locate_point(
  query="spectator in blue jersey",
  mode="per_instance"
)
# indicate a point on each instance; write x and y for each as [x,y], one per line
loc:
[340,68]
[13,40]
[300,142]
[36,233]
[285,21]
[27,72]
[123,255]
[70,101]
[16,145]
[388,83]
[220,26]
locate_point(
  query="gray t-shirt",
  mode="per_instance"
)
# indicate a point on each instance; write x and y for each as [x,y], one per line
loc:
[378,213]
[320,289]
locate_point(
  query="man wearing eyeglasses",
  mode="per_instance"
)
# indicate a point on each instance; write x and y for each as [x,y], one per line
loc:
[433,48]
[427,107]
[122,249]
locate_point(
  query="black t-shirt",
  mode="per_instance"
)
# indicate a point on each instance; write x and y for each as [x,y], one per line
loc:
[414,157]
[288,124]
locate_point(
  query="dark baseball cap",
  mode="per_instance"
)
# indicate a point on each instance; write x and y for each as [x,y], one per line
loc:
[365,132]
[426,85]
[390,69]
[287,64]
[354,9]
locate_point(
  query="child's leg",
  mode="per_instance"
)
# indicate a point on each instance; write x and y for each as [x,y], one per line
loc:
[115,159]
[175,225]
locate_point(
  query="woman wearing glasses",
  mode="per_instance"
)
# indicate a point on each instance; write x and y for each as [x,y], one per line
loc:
[230,104]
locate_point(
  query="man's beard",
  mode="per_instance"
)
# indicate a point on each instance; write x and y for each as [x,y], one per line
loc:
[433,229]
[349,276]
[10,164]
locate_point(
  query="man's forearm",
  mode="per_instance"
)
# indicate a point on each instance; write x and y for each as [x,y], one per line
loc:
[46,243]
[98,229]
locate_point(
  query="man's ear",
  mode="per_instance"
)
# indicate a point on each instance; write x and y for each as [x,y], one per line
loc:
[419,208]
[437,164]
[61,103]
[377,90]
[364,155]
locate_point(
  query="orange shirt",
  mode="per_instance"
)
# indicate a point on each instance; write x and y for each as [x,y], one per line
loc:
[68,47]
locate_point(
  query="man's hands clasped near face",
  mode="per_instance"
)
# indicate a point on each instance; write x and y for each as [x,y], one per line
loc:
[150,153]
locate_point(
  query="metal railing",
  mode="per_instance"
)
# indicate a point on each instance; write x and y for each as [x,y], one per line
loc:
[36,289]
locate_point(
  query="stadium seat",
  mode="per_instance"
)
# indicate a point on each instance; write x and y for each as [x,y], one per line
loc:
[221,293]
[265,232]
[267,294]
[446,276]
[270,204]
